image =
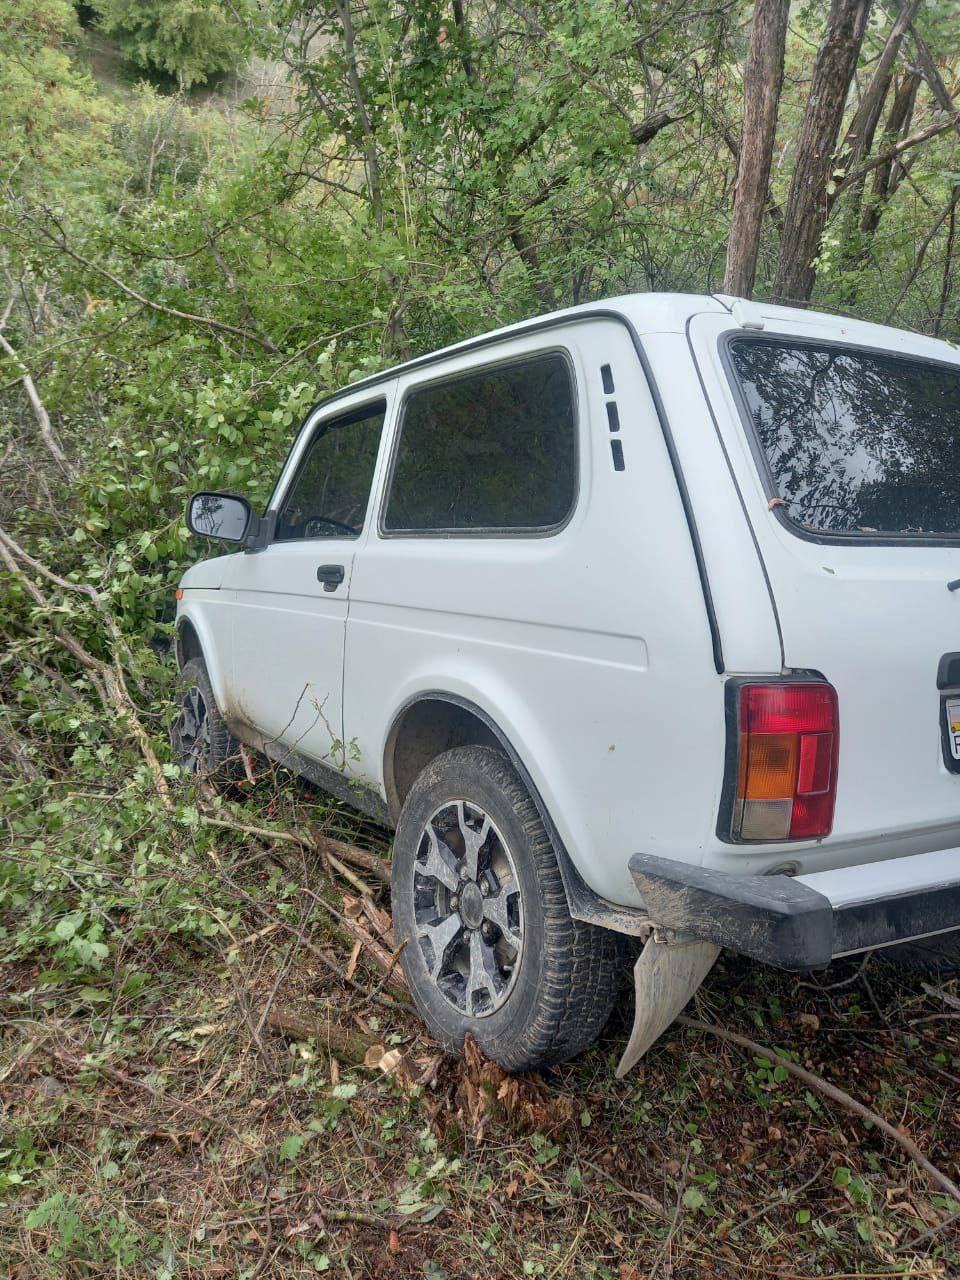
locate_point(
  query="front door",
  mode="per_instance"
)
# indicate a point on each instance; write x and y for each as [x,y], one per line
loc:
[291,599]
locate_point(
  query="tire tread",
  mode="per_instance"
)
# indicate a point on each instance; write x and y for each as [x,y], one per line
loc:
[582,962]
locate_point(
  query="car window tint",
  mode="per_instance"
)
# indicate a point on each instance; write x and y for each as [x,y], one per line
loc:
[495,450]
[857,442]
[328,497]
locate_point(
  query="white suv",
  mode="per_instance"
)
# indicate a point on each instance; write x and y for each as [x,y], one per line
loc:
[579,608]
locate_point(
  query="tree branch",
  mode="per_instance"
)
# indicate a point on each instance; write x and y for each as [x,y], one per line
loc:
[835,1094]
[107,679]
[208,321]
[39,410]
[892,153]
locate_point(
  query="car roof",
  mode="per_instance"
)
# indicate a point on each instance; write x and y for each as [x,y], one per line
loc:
[649,313]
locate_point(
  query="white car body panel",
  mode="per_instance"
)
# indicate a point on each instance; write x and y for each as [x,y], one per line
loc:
[573,643]
[590,648]
[873,619]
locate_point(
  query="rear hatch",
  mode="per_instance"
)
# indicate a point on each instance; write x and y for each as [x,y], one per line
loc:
[844,439]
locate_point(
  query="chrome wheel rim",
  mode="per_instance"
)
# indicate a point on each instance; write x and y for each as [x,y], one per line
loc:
[467,908]
[191,733]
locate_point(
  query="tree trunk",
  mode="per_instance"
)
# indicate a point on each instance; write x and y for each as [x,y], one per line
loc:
[947,264]
[762,81]
[884,176]
[863,126]
[806,212]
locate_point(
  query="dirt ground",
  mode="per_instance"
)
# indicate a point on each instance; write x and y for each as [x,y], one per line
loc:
[267,1106]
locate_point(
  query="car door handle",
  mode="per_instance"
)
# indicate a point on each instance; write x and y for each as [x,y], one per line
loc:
[331,575]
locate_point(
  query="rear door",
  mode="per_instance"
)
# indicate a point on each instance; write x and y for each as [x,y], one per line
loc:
[291,599]
[845,441]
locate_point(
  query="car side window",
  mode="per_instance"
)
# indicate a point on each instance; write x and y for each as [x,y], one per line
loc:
[329,494]
[492,450]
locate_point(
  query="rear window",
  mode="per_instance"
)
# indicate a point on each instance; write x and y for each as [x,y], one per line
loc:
[487,451]
[857,443]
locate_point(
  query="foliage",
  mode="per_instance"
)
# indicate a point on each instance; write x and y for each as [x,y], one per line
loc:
[190,41]
[55,122]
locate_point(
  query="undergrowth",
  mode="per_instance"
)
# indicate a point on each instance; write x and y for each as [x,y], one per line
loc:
[199,1077]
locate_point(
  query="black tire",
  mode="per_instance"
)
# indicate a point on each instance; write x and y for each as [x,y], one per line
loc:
[940,954]
[199,736]
[557,998]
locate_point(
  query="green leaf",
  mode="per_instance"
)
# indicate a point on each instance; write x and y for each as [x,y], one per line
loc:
[693,1198]
[68,925]
[292,1145]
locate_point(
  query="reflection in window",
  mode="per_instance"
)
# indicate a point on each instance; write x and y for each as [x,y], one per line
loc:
[219,516]
[856,442]
[493,449]
[328,498]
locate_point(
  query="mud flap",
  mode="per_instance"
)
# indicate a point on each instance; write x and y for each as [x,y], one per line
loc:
[665,976]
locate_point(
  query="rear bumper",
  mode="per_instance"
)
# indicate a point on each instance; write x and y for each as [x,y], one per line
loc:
[804,922]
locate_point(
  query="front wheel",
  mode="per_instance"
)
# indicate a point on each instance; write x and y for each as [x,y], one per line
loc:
[489,946]
[199,736]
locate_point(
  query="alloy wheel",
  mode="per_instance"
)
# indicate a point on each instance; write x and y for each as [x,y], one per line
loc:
[467,908]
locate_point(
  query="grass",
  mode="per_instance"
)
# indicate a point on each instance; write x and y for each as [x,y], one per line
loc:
[164,1126]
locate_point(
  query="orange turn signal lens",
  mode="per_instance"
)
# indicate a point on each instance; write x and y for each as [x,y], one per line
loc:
[771,766]
[178,594]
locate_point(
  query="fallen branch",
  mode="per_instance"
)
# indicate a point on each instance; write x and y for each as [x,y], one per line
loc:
[930,1232]
[361,858]
[15,749]
[952,1002]
[352,1046]
[828,1090]
[388,1002]
[334,864]
[261,833]
[44,424]
[648,1202]
[386,960]
[106,678]
[335,853]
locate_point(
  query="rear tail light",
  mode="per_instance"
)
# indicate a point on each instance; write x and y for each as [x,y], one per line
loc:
[786,768]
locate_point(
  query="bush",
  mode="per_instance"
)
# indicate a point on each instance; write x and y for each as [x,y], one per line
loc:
[188,40]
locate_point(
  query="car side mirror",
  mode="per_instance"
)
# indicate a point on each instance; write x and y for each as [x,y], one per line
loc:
[223,516]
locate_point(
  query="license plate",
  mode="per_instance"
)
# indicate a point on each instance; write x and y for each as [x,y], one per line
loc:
[953,726]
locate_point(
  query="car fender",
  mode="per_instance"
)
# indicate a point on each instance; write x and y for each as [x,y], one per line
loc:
[546,772]
[195,610]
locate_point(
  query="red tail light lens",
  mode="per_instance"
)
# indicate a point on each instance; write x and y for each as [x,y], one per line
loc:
[788,736]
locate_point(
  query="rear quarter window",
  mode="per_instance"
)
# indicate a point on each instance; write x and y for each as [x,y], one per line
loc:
[489,451]
[856,443]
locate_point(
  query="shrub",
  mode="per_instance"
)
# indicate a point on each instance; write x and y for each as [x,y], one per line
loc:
[189,40]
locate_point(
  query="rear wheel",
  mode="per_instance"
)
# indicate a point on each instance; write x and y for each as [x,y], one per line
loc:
[489,946]
[200,738]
